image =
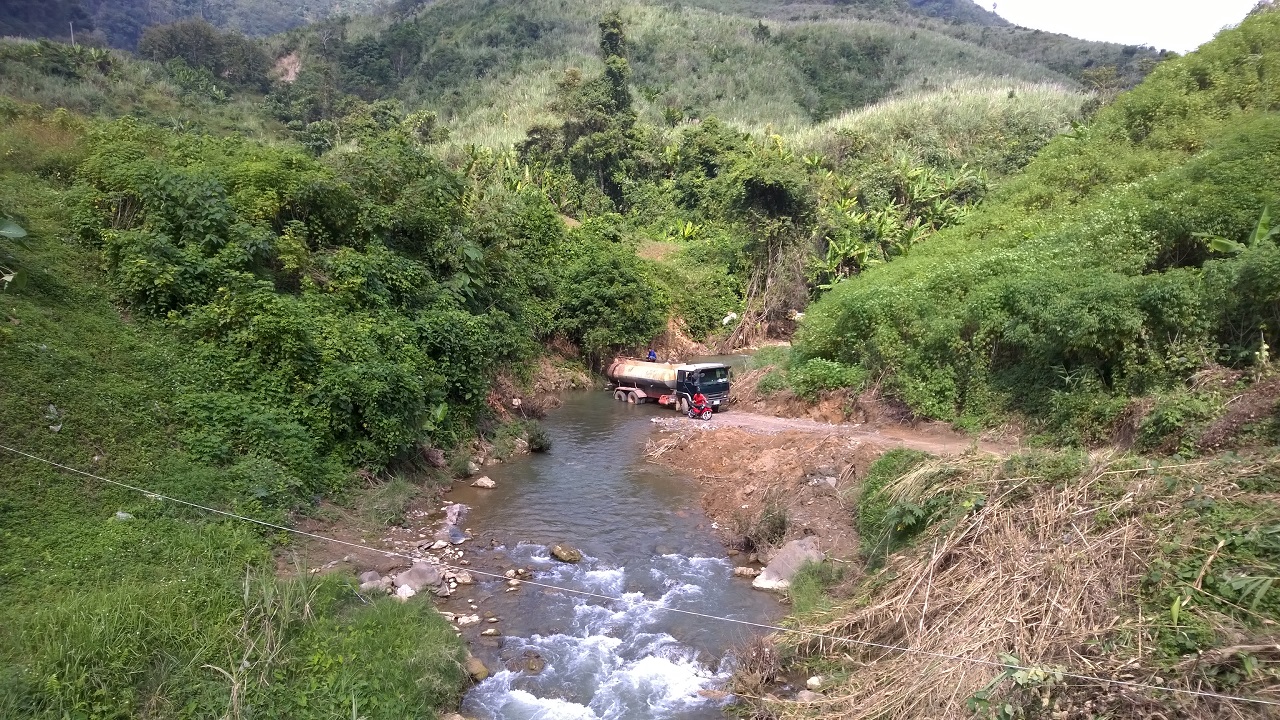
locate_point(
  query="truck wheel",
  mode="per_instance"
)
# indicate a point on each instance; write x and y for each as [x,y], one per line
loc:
[631,398]
[619,395]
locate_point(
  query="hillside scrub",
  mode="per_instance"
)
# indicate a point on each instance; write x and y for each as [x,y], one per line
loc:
[120,606]
[1109,566]
[1090,275]
[248,326]
[465,58]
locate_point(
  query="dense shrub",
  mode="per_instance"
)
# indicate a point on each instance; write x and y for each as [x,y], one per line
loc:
[1090,272]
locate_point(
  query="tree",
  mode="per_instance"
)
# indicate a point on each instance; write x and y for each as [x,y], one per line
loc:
[598,135]
[229,56]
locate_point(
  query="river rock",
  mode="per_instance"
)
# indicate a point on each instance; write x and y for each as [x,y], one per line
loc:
[463,578]
[814,683]
[746,572]
[565,553]
[786,562]
[419,576]
[370,576]
[490,632]
[808,696]
[533,662]
[122,515]
[465,620]
[485,483]
[438,545]
[472,468]
[404,592]
[521,446]
[383,585]
[476,669]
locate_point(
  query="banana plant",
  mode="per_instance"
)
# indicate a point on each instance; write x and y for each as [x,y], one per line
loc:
[1262,232]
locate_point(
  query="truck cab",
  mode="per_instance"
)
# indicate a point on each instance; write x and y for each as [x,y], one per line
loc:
[710,379]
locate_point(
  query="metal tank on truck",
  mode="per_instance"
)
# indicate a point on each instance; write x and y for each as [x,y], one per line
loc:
[641,381]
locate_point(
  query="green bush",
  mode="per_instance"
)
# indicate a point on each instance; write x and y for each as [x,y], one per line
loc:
[1172,421]
[1052,467]
[876,529]
[1088,274]
[386,504]
[809,586]
[770,356]
[811,377]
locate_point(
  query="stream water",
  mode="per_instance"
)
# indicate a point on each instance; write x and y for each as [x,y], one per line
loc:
[646,545]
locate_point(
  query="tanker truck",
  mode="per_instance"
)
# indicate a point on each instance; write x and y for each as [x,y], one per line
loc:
[641,381]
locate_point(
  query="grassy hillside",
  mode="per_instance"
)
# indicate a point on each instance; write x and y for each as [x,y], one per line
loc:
[1093,276]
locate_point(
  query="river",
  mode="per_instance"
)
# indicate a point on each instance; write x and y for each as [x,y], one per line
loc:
[647,546]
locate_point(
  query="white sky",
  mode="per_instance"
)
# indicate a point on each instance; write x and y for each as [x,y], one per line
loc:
[1180,25]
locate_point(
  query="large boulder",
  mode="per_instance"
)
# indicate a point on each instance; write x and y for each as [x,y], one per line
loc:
[419,576]
[786,562]
[484,482]
[565,553]
[476,669]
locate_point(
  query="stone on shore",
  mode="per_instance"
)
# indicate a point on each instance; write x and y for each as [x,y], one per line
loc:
[418,577]
[476,669]
[484,482]
[787,562]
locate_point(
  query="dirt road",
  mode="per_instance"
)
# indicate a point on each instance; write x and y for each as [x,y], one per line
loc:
[750,464]
[936,438]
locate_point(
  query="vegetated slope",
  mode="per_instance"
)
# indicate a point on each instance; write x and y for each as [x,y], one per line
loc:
[966,11]
[120,23]
[1092,277]
[490,69]
[119,605]
[243,324]
[1020,587]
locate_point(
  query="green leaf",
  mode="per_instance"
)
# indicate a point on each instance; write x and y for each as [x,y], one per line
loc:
[1175,609]
[1263,230]
[11,229]
[1223,245]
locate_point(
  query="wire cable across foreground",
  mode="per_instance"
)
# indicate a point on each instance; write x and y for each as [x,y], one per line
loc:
[586,593]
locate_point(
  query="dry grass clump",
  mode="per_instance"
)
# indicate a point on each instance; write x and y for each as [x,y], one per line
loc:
[1047,572]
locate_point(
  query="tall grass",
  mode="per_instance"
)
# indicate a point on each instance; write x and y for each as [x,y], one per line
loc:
[969,121]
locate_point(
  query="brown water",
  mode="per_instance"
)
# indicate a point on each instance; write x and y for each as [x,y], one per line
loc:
[647,547]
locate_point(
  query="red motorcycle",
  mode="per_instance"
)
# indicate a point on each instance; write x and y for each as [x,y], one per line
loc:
[699,408]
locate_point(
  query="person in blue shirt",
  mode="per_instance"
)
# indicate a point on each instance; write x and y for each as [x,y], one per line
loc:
[653,356]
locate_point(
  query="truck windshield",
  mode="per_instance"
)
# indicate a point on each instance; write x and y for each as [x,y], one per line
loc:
[712,376]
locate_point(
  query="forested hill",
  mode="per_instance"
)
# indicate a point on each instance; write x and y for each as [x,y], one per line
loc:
[491,69]
[120,23]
